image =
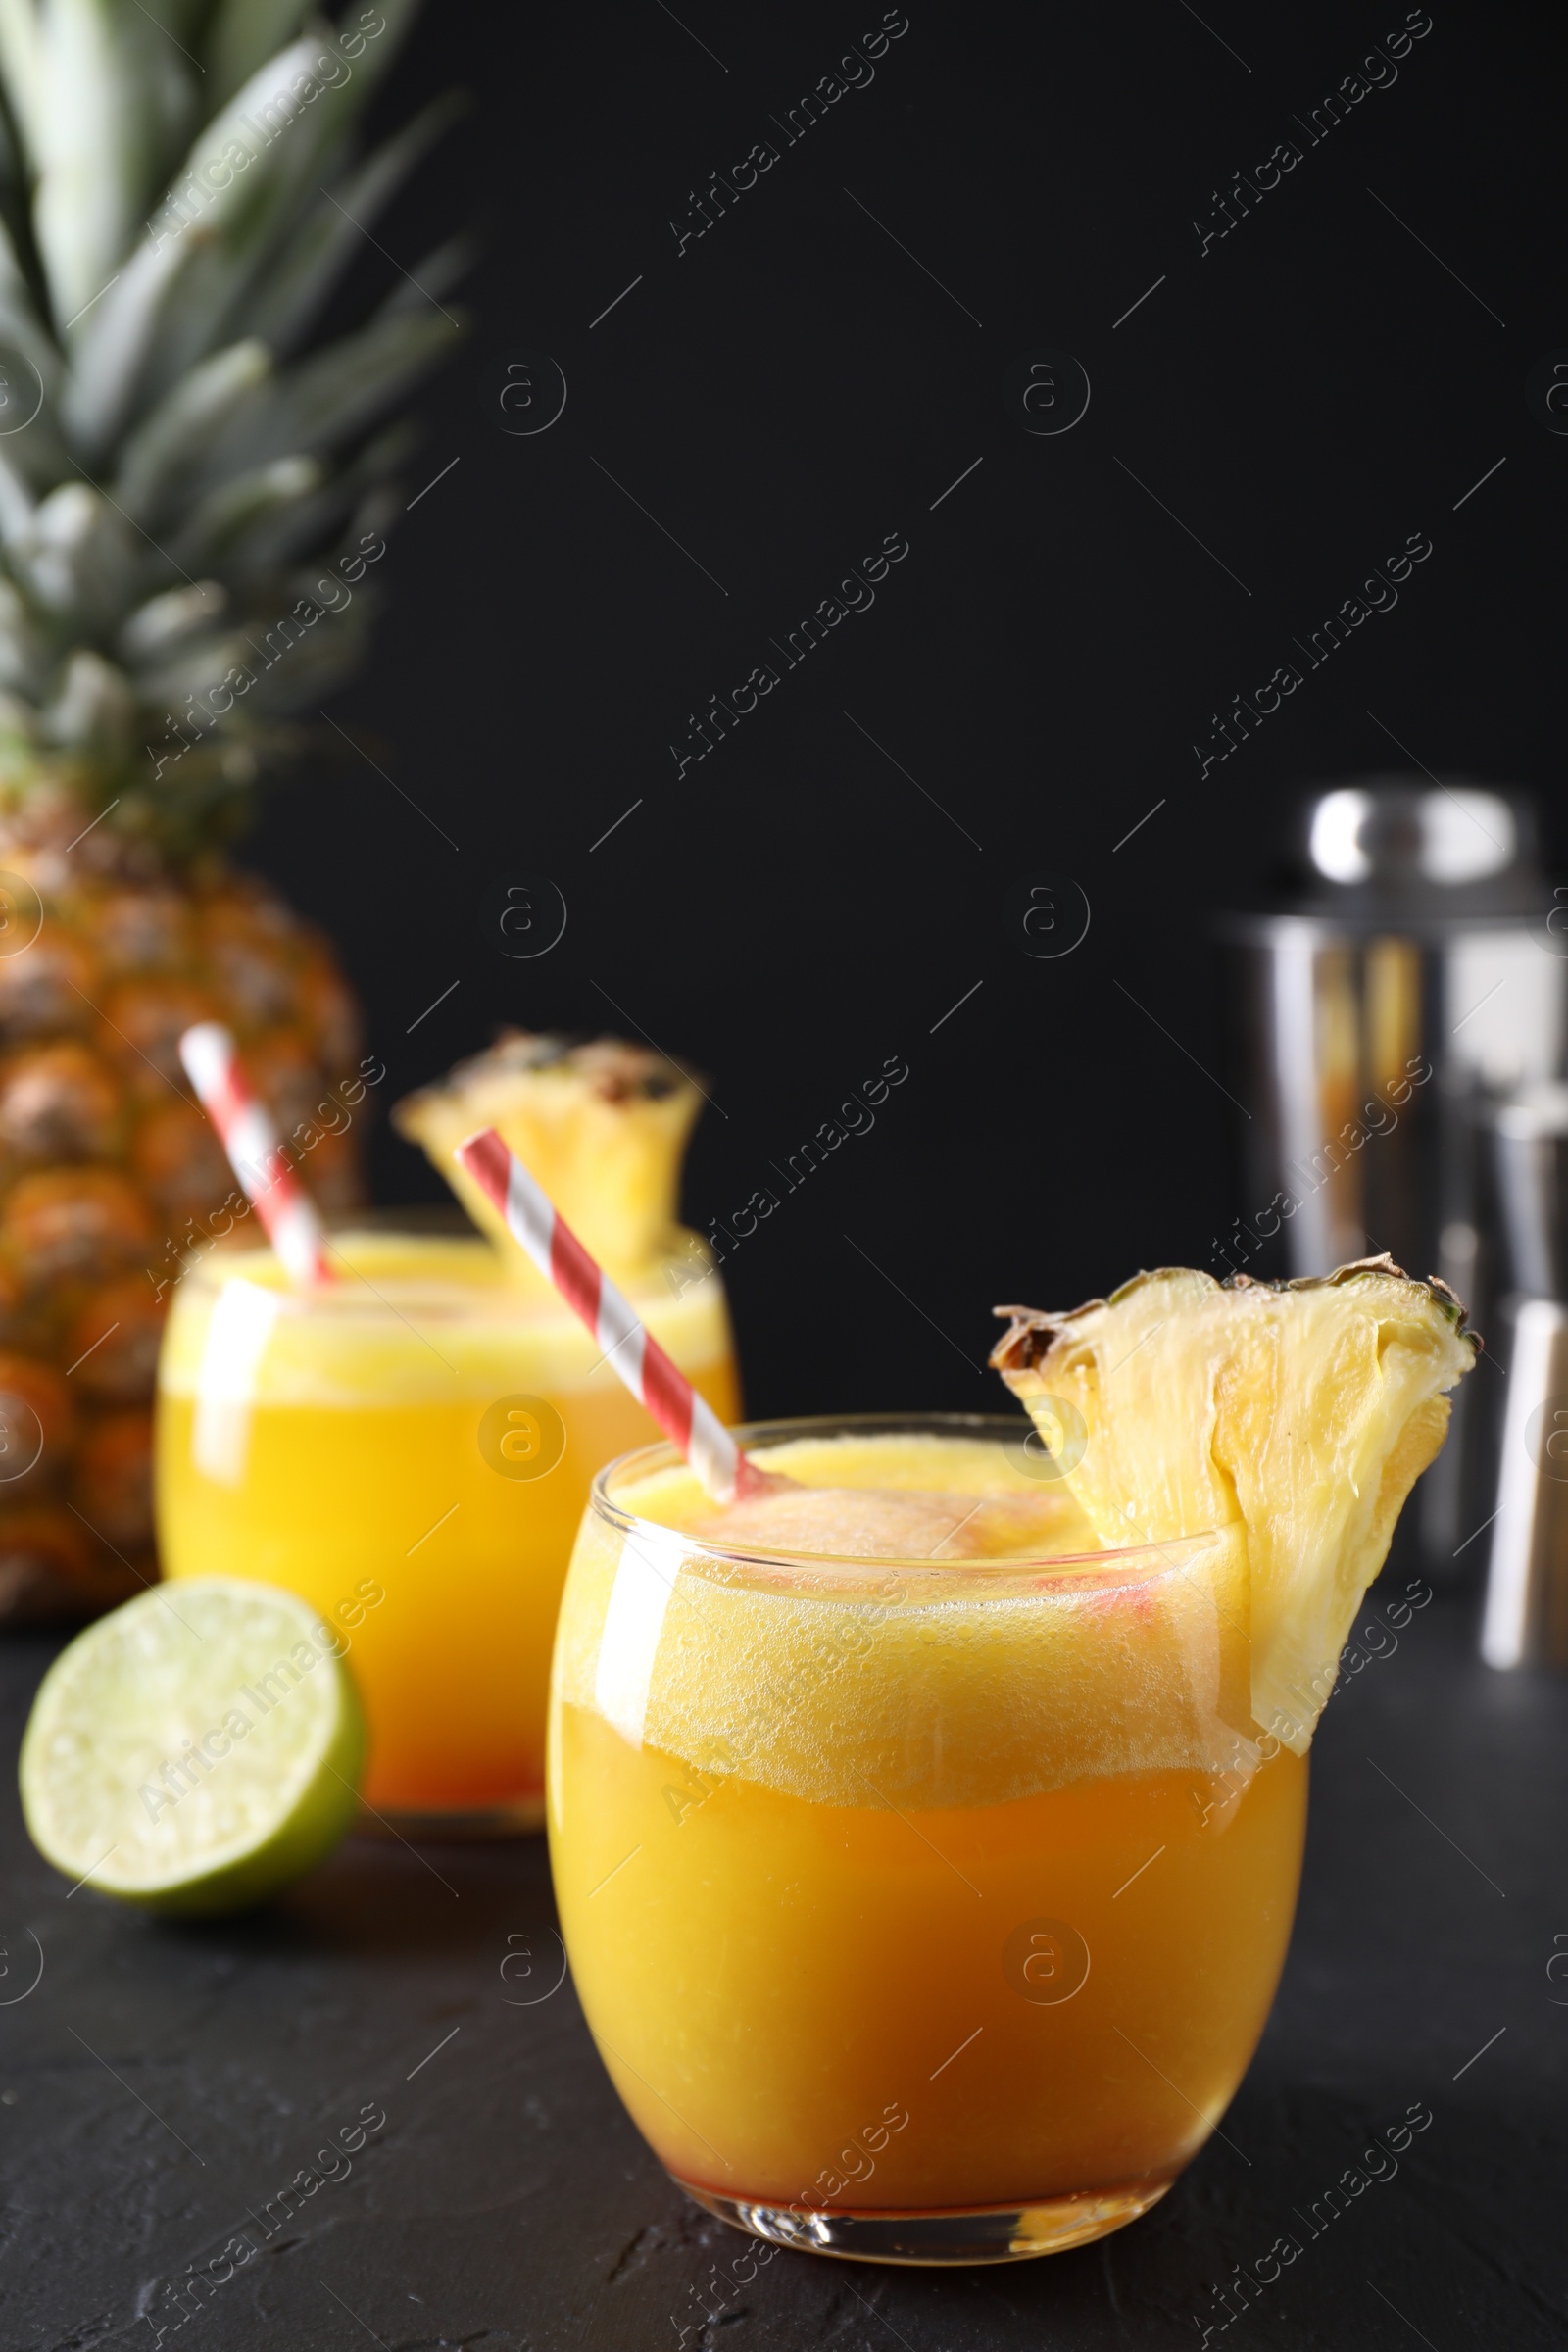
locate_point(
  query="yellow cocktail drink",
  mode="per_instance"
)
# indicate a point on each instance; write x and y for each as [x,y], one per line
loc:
[410,1450]
[924,1882]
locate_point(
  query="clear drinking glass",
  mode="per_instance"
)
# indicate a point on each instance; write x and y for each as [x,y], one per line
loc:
[925,1912]
[410,1450]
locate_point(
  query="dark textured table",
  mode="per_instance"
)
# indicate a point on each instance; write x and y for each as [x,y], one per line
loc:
[161,2086]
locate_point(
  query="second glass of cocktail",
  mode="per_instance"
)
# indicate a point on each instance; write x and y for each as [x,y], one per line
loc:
[409,1449]
[402,1426]
[924,1887]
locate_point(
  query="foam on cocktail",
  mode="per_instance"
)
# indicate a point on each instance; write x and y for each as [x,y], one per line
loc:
[976,1645]
[851,1524]
[852,1498]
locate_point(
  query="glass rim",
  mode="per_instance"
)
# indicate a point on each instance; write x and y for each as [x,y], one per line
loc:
[1006,1577]
[440,1222]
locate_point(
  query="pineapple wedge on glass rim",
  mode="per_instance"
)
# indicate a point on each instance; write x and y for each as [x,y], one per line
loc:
[1302,1410]
[603,1125]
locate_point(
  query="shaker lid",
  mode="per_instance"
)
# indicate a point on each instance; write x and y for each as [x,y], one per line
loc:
[1399,852]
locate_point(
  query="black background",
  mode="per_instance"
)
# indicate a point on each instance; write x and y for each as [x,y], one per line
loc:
[793,911]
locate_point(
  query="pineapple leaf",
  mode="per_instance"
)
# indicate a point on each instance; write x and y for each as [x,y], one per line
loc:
[34,451]
[169,620]
[95,708]
[337,227]
[24,653]
[282,661]
[378,54]
[245,33]
[315,665]
[21,59]
[435,275]
[336,392]
[180,192]
[290,534]
[16,501]
[307,115]
[19,323]
[101,99]
[76,556]
[198,670]
[242,37]
[217,531]
[167,449]
[167,308]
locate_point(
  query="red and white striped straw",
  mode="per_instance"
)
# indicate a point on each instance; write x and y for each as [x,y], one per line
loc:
[686,1419]
[256,1154]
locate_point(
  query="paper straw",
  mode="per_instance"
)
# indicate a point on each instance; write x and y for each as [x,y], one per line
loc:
[686,1419]
[256,1154]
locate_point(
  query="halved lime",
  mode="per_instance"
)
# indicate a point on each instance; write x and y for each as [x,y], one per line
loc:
[196,1750]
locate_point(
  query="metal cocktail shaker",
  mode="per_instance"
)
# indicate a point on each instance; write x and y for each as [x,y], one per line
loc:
[1413,967]
[1526,1616]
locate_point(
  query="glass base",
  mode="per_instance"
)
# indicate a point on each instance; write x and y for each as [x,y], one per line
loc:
[959,2234]
[517,1817]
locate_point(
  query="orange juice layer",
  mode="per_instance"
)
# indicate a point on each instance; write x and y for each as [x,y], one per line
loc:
[337,1452]
[918,1886]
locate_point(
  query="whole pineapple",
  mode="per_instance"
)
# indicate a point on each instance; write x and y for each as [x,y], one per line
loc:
[192,494]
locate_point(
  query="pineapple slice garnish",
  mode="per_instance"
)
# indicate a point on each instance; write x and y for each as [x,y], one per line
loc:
[1305,1410]
[603,1126]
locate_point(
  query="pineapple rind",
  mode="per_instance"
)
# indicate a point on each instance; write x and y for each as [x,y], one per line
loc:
[1307,1411]
[109,1172]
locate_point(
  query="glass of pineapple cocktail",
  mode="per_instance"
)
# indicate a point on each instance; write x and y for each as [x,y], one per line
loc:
[927,1836]
[848,1846]
[409,1446]
[409,1449]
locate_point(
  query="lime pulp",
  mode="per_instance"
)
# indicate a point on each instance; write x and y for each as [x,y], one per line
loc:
[195,1750]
